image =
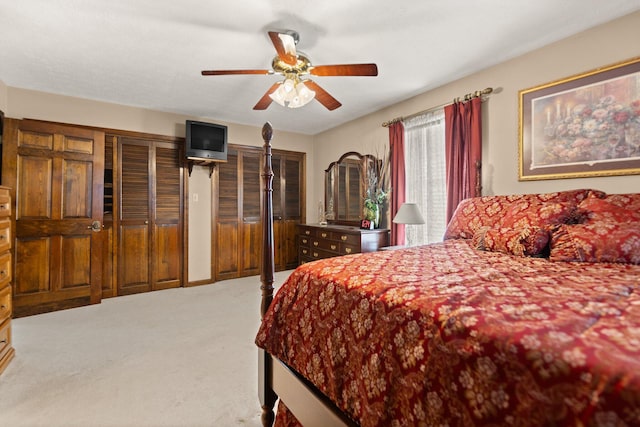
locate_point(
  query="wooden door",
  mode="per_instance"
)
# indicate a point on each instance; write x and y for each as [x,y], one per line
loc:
[166,218]
[150,215]
[250,213]
[226,210]
[58,173]
[134,185]
[288,203]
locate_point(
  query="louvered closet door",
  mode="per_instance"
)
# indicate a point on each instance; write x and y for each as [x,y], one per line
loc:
[251,224]
[167,221]
[226,212]
[288,193]
[150,246]
[134,251]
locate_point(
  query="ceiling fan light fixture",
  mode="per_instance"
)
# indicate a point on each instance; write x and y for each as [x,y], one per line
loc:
[292,93]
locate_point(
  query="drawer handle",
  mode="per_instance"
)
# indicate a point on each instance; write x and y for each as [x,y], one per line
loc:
[333,247]
[3,273]
[347,250]
[3,307]
[344,238]
[324,234]
[4,341]
[307,232]
[315,243]
[315,254]
[304,251]
[3,206]
[305,240]
[2,237]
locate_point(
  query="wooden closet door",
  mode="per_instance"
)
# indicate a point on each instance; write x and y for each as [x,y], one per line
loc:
[288,195]
[134,252]
[58,173]
[293,201]
[226,230]
[250,213]
[167,217]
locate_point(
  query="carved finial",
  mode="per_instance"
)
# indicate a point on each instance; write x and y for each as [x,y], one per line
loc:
[267,132]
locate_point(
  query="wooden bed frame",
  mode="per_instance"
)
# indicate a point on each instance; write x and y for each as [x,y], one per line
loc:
[275,379]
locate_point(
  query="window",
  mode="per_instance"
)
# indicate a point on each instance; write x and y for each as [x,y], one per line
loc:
[425,169]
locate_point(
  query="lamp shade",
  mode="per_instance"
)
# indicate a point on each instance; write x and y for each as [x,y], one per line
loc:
[408,214]
[292,93]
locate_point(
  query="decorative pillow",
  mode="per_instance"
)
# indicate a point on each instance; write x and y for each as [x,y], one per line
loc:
[615,208]
[527,214]
[474,213]
[524,229]
[628,201]
[597,242]
[525,241]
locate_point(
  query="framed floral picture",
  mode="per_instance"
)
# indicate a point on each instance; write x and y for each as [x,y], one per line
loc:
[585,125]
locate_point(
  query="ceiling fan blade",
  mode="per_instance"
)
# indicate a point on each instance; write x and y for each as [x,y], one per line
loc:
[266,100]
[345,70]
[230,72]
[285,45]
[322,95]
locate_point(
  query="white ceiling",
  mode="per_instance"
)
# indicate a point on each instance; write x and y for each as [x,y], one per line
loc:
[149,53]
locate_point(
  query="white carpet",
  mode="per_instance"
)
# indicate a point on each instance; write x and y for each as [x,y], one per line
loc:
[178,357]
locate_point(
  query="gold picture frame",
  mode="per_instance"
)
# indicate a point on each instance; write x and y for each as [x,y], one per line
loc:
[582,126]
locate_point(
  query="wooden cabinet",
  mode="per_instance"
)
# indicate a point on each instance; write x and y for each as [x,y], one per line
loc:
[149,194]
[6,349]
[326,241]
[237,193]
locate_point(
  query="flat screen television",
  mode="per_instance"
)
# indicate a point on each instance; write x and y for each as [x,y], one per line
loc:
[206,141]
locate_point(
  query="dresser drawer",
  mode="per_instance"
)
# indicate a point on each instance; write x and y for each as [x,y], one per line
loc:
[5,204]
[307,231]
[5,303]
[304,252]
[5,339]
[328,245]
[349,249]
[5,269]
[351,239]
[321,254]
[304,241]
[5,235]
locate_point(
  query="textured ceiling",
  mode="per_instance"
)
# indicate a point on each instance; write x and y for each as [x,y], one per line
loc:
[149,53]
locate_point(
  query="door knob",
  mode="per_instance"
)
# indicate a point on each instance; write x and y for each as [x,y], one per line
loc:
[95,226]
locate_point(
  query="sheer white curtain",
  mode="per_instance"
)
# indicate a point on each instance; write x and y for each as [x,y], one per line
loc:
[426,175]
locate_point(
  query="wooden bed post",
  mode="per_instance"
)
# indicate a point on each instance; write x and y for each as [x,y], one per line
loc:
[267,271]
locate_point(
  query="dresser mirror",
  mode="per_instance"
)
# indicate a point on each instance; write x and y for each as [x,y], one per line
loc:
[344,188]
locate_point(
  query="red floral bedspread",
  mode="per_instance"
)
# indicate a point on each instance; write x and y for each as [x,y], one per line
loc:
[449,335]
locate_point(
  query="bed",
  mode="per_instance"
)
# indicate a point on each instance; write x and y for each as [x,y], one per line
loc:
[527,314]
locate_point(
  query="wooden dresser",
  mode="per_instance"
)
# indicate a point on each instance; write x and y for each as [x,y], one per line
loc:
[6,350]
[326,241]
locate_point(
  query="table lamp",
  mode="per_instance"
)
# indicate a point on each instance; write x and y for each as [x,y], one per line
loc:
[408,214]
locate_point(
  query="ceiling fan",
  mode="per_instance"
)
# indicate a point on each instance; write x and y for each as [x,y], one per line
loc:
[296,90]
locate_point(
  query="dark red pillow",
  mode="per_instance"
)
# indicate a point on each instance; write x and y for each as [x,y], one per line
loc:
[597,242]
[595,210]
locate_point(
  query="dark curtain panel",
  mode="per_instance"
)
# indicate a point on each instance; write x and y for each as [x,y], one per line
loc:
[396,146]
[463,151]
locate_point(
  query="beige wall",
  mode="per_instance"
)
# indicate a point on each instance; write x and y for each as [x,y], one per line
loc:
[22,104]
[3,97]
[603,45]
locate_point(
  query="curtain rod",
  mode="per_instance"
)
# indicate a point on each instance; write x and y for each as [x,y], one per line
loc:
[467,97]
